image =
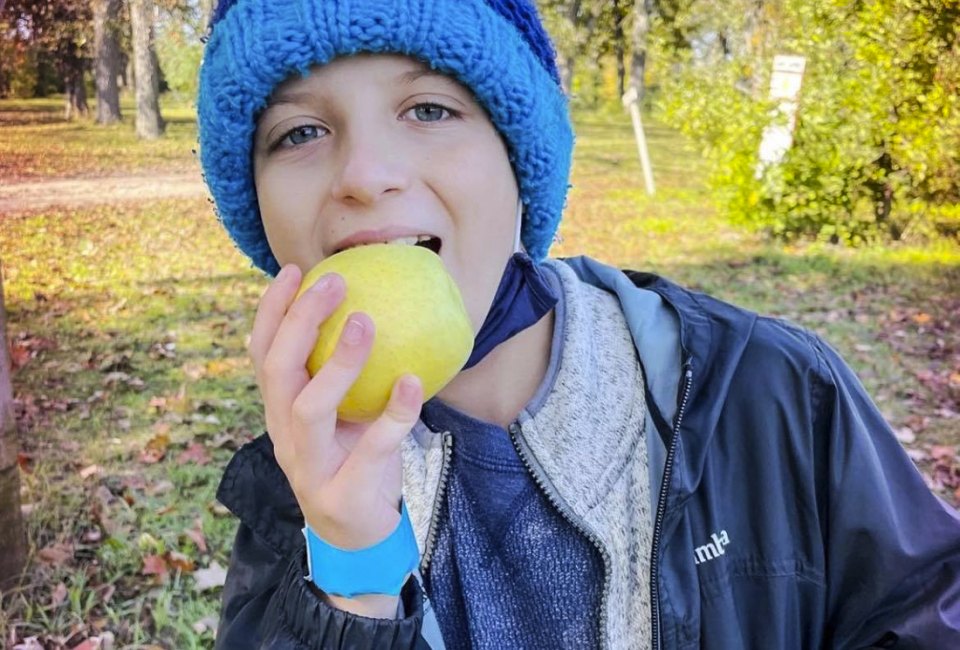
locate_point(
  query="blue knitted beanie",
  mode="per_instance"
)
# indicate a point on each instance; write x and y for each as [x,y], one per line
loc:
[497,48]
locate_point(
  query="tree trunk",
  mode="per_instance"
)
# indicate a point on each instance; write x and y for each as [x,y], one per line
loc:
[14,553]
[568,52]
[106,14]
[638,60]
[76,92]
[150,123]
[620,46]
[565,65]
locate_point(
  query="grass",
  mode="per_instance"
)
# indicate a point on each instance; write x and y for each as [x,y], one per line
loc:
[147,319]
[39,143]
[134,319]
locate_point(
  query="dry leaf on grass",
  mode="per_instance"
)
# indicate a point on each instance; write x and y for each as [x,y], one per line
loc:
[155,565]
[59,595]
[155,449]
[204,624]
[209,578]
[195,453]
[56,554]
[196,535]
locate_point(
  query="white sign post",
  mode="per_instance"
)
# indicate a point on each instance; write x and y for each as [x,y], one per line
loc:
[785,86]
[631,100]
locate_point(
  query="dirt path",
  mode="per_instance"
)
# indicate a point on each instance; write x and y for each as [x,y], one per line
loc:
[80,192]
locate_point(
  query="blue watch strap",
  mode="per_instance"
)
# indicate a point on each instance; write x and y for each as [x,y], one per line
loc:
[379,569]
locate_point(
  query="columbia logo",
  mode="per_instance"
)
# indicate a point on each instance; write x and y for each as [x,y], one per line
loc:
[712,549]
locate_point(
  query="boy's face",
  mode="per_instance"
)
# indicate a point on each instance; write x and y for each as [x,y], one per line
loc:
[376,147]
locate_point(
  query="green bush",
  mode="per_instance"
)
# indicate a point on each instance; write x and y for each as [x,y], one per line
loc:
[877,129]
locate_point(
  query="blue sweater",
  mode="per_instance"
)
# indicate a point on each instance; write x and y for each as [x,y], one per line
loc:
[508,570]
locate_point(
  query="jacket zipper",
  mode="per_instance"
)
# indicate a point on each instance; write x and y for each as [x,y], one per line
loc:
[539,477]
[437,502]
[661,506]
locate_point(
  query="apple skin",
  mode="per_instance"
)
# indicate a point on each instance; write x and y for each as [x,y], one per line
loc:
[422,325]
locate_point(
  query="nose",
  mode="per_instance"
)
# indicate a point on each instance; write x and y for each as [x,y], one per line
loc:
[371,168]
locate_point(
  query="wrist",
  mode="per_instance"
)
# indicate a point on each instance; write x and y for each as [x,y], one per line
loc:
[381,569]
[368,605]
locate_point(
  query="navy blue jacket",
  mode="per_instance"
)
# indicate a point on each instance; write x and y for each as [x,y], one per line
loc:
[789,515]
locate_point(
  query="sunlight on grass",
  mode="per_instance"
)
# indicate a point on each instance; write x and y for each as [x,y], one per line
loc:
[38,143]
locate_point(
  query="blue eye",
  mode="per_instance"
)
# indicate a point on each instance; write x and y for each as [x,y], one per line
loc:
[430,112]
[300,135]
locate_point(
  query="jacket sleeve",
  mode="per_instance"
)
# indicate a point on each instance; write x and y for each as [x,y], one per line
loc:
[267,603]
[893,547]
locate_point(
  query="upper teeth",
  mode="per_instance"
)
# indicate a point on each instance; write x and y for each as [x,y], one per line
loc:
[409,241]
[406,241]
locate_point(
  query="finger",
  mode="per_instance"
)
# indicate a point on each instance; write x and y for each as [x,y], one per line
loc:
[319,400]
[273,305]
[284,366]
[368,463]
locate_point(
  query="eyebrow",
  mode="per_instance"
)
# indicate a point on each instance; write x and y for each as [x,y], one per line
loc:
[413,75]
[290,97]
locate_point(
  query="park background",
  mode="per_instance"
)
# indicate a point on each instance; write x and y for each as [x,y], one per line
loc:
[127,307]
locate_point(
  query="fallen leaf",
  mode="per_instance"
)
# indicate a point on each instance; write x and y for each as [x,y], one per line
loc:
[162,350]
[104,641]
[922,318]
[89,471]
[56,554]
[155,565]
[155,449]
[195,453]
[116,363]
[106,593]
[25,461]
[30,643]
[224,440]
[196,535]
[906,435]
[161,487]
[19,355]
[204,624]
[209,578]
[193,370]
[942,453]
[180,562]
[59,595]
[159,404]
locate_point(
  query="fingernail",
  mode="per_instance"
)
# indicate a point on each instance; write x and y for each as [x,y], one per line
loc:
[284,273]
[353,331]
[322,284]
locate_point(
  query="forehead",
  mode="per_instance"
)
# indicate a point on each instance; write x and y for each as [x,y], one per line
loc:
[343,74]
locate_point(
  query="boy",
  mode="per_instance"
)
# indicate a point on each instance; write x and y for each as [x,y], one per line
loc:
[621,463]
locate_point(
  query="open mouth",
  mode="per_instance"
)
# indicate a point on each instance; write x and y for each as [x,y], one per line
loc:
[424,241]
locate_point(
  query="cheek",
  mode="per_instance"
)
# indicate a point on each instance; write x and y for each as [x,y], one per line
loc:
[284,208]
[484,205]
